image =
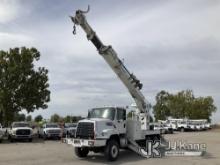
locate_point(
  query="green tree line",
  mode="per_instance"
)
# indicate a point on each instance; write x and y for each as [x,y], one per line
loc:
[183,105]
[55,118]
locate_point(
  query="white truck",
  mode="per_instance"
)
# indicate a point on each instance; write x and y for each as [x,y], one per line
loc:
[181,124]
[106,129]
[1,133]
[200,124]
[70,129]
[20,130]
[50,130]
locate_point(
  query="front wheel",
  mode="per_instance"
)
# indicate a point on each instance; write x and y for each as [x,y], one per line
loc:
[10,139]
[112,150]
[81,152]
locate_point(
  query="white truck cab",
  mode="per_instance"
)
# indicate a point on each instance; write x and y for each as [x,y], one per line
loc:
[102,125]
[107,130]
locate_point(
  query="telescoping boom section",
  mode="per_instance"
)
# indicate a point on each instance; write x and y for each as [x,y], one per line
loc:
[108,53]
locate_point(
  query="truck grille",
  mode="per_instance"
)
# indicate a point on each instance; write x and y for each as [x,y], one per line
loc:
[85,130]
[23,132]
[54,131]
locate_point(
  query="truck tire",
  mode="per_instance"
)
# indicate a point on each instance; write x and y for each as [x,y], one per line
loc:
[112,150]
[45,136]
[81,152]
[30,140]
[11,140]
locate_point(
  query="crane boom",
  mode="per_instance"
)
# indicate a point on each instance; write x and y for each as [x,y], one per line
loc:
[108,53]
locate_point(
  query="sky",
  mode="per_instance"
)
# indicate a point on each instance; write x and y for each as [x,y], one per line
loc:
[169,45]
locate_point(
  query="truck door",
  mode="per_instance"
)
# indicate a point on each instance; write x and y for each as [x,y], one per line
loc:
[121,120]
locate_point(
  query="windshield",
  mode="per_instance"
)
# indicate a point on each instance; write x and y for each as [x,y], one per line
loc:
[51,126]
[14,125]
[106,113]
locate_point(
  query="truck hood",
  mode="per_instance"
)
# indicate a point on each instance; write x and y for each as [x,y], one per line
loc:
[46,129]
[24,128]
[95,120]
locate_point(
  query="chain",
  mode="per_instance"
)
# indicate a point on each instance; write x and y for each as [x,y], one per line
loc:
[74,29]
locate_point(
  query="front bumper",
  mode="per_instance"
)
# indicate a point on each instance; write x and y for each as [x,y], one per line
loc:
[86,142]
[21,136]
[51,135]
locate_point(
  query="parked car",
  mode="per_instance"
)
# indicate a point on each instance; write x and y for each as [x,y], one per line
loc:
[70,129]
[50,130]
[20,130]
[1,133]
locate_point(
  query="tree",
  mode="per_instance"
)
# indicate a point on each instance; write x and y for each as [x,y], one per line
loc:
[183,105]
[203,108]
[75,119]
[161,109]
[38,118]
[22,85]
[68,119]
[19,117]
[29,118]
[55,118]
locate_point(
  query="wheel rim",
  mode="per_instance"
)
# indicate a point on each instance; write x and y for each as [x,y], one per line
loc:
[114,151]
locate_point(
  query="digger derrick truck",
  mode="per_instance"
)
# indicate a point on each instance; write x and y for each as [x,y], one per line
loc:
[106,129]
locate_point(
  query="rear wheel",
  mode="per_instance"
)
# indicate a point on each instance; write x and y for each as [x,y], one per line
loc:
[112,150]
[81,152]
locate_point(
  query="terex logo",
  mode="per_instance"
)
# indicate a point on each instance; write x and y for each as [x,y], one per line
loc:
[151,150]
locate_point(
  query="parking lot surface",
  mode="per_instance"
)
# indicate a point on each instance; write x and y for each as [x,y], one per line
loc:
[57,153]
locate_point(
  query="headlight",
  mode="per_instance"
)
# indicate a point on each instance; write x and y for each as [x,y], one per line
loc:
[14,132]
